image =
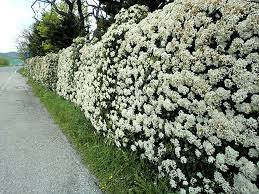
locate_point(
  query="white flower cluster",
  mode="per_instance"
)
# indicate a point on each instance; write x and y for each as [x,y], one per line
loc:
[68,64]
[179,87]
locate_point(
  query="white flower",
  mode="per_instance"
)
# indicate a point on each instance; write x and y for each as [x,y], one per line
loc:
[249,170]
[197,153]
[243,185]
[231,155]
[220,180]
[239,96]
[211,159]
[185,183]
[133,148]
[208,147]
[199,175]
[177,152]
[195,190]
[183,159]
[253,153]
[220,162]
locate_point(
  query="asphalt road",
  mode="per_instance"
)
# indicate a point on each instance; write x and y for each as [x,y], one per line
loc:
[35,157]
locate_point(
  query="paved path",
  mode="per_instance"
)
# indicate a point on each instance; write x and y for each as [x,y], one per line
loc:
[35,156]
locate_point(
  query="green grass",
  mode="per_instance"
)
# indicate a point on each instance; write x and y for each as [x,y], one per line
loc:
[4,62]
[119,171]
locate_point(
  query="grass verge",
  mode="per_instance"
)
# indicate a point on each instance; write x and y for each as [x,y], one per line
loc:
[118,171]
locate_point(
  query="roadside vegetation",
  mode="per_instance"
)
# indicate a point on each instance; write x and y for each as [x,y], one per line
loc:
[174,83]
[4,62]
[118,171]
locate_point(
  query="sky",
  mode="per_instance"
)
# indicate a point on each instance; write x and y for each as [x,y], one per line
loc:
[15,16]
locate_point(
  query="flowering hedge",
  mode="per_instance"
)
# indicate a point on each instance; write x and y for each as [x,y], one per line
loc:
[179,87]
[93,78]
[44,70]
[68,64]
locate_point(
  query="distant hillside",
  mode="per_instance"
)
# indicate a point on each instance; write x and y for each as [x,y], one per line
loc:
[12,57]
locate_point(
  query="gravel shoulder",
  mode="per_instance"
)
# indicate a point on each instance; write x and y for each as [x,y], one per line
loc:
[35,157]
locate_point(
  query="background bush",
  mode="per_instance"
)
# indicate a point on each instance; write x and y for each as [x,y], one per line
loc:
[4,62]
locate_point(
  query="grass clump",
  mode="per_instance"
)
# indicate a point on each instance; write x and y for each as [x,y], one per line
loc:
[118,171]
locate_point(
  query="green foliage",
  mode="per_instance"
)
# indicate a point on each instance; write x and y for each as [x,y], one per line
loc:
[103,24]
[57,32]
[4,62]
[48,20]
[49,34]
[119,171]
[48,47]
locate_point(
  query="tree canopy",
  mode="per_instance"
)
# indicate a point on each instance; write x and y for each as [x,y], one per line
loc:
[112,7]
[51,32]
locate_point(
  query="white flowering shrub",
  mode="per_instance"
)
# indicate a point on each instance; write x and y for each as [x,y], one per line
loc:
[180,88]
[68,64]
[44,69]
[99,59]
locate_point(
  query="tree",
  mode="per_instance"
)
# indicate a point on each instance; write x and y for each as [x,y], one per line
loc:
[29,44]
[112,7]
[69,10]
[22,44]
[74,9]
[58,32]
[102,25]
[52,31]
